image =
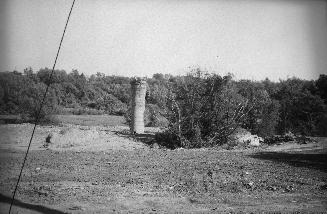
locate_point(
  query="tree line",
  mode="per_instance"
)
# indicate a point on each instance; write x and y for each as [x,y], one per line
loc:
[204,109]
[198,108]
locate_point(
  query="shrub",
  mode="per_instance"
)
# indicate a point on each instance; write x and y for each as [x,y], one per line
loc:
[269,120]
[153,116]
[111,105]
[128,116]
[167,139]
[204,109]
[86,111]
[30,102]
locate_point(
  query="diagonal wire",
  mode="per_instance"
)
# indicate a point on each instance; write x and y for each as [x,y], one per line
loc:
[41,105]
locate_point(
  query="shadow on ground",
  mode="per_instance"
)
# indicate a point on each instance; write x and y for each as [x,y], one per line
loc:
[145,138]
[38,208]
[312,161]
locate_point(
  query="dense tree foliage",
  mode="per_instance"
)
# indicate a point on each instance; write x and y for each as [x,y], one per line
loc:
[68,93]
[199,108]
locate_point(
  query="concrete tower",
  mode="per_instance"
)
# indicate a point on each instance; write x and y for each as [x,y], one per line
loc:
[138,105]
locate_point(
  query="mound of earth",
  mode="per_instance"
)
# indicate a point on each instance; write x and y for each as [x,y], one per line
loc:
[67,137]
[244,137]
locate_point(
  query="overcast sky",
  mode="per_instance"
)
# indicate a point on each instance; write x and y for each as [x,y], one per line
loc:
[251,39]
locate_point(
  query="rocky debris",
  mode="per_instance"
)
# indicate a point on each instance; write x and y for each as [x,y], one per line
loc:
[155,146]
[272,188]
[304,140]
[254,140]
[289,188]
[280,139]
[43,190]
[249,185]
[246,138]
[76,208]
[247,180]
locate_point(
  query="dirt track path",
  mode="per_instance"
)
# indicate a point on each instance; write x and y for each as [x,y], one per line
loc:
[131,177]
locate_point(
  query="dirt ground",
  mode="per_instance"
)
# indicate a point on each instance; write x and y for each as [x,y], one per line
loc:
[102,169]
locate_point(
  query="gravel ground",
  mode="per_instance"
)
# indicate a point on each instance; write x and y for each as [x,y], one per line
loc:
[123,175]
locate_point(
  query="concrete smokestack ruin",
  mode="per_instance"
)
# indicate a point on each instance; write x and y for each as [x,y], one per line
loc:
[138,105]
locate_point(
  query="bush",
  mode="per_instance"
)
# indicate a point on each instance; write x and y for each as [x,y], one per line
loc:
[86,111]
[111,105]
[204,109]
[269,120]
[31,100]
[153,116]
[128,116]
[167,139]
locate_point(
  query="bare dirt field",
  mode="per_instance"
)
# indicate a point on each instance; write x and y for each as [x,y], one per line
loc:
[102,169]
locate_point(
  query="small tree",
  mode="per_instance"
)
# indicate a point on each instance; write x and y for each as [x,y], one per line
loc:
[30,102]
[204,109]
[269,121]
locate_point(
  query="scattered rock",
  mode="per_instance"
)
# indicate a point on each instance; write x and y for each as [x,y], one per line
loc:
[244,137]
[170,187]
[249,185]
[76,208]
[155,146]
[279,139]
[42,193]
[272,188]
[304,140]
[289,188]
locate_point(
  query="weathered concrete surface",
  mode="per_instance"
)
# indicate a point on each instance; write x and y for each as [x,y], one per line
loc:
[138,105]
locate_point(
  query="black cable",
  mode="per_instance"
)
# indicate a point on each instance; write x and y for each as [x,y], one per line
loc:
[41,105]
